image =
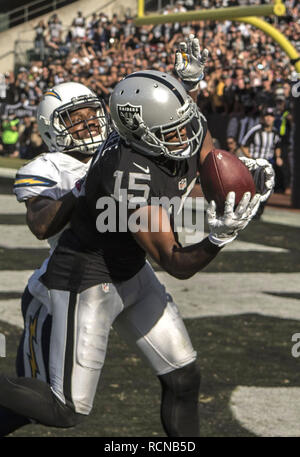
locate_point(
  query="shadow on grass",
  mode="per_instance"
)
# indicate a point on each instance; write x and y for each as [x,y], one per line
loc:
[245,350]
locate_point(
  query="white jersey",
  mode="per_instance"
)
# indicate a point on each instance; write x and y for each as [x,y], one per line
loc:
[51,175]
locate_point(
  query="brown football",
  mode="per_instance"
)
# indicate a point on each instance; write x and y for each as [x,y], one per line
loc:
[221,173]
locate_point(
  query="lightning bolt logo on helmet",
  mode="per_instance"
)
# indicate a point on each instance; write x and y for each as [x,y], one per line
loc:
[52,93]
[127,115]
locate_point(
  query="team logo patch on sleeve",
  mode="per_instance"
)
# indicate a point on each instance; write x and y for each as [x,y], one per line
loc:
[33,180]
[127,115]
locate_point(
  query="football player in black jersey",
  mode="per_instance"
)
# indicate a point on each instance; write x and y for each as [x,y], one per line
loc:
[98,274]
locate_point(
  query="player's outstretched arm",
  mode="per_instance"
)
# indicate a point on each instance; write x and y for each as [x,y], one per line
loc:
[157,238]
[46,217]
[207,147]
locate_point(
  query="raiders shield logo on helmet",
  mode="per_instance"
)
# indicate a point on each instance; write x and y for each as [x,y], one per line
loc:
[127,115]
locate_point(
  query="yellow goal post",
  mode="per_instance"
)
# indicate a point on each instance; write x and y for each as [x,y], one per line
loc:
[247,14]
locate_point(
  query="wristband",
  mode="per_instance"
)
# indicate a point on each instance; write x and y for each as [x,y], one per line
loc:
[192,85]
[221,241]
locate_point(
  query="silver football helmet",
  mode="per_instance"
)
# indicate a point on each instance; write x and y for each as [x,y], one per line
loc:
[153,113]
[56,126]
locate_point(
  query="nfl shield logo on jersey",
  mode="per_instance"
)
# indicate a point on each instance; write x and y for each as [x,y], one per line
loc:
[127,115]
[182,184]
[105,287]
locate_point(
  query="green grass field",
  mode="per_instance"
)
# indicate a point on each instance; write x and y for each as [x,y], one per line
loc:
[10,162]
[250,349]
[241,350]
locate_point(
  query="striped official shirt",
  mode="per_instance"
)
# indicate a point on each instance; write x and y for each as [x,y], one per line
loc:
[261,144]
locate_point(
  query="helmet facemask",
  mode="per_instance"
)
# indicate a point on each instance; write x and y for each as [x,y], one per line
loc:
[187,132]
[68,136]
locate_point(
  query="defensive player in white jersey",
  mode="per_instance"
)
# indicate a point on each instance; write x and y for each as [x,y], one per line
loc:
[96,284]
[49,186]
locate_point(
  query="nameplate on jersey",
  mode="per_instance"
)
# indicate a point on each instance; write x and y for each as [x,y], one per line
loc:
[33,180]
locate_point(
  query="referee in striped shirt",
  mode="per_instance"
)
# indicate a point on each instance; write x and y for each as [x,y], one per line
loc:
[263,142]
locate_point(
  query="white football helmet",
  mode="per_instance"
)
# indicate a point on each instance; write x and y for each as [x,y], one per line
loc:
[55,108]
[150,107]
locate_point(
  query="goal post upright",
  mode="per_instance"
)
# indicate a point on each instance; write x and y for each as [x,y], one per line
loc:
[247,14]
[250,15]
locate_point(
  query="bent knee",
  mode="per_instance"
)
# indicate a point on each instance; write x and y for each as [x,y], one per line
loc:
[67,417]
[183,380]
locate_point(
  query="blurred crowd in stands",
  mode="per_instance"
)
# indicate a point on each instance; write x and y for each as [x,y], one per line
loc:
[246,71]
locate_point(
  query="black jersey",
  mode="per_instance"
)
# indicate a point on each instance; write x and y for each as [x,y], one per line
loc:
[118,175]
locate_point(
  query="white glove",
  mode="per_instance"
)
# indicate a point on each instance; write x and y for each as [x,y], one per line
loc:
[224,229]
[189,63]
[263,175]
